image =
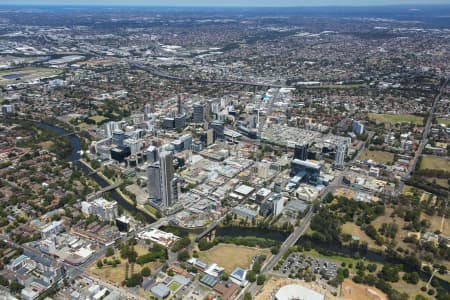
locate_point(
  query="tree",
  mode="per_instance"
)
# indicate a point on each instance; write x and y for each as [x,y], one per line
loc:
[15,287]
[260,280]
[146,272]
[183,255]
[224,276]
[99,264]
[389,273]
[251,276]
[109,251]
[247,296]
[411,278]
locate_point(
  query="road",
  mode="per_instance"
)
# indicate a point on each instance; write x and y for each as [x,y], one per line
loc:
[292,239]
[426,131]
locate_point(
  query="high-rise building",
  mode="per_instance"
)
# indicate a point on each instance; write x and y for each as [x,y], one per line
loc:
[147,109]
[168,123]
[160,179]
[118,137]
[180,121]
[357,127]
[8,108]
[152,154]
[219,129]
[199,113]
[154,180]
[341,153]
[301,151]
[110,127]
[167,173]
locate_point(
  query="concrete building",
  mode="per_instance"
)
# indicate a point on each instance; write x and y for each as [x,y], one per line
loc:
[104,209]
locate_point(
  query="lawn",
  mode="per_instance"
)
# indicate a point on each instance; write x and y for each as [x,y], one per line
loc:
[434,163]
[377,156]
[445,121]
[98,119]
[27,74]
[439,181]
[339,259]
[353,229]
[436,223]
[411,289]
[391,118]
[231,256]
[174,286]
[117,275]
[401,234]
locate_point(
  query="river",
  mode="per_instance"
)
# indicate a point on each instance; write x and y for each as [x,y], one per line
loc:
[75,157]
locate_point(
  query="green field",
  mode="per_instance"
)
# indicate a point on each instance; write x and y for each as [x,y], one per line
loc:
[27,74]
[378,156]
[390,118]
[445,121]
[98,119]
[434,163]
[174,286]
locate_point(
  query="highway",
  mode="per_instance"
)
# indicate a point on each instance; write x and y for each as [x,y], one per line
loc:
[159,73]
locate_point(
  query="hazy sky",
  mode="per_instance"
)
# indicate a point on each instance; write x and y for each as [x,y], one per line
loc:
[221,3]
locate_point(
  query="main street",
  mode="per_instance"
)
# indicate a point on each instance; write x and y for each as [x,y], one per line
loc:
[426,132]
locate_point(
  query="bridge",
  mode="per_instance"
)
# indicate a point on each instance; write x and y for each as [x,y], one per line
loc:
[206,232]
[110,187]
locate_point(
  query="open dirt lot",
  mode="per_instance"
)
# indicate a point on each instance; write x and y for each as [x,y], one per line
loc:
[353,291]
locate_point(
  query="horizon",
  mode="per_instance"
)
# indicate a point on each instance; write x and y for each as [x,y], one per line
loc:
[230,4]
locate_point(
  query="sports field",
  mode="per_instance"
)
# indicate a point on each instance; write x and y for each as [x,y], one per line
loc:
[26,74]
[225,256]
[391,118]
[434,163]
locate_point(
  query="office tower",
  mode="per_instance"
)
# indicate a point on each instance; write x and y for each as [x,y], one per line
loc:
[175,190]
[341,152]
[179,106]
[219,129]
[301,151]
[134,145]
[160,176]
[168,123]
[147,109]
[152,154]
[199,113]
[187,141]
[357,127]
[167,173]
[110,127]
[154,180]
[180,121]
[118,137]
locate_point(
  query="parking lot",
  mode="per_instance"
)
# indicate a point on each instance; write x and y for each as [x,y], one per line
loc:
[298,262]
